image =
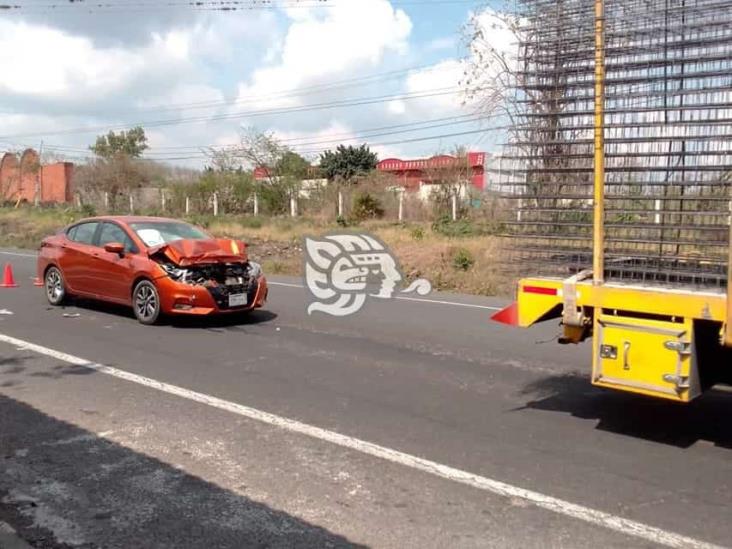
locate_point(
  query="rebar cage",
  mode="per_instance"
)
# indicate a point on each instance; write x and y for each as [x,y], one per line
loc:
[667,131]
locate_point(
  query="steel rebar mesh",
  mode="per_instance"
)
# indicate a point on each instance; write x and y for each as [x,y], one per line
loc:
[668,140]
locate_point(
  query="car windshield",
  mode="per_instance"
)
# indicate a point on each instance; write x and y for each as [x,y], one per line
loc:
[155,233]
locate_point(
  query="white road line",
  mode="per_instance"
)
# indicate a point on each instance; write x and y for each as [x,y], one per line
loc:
[270,283]
[450,303]
[18,254]
[556,505]
[438,301]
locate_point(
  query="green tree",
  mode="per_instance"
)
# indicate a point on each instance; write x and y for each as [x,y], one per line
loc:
[131,143]
[347,163]
[291,164]
[284,169]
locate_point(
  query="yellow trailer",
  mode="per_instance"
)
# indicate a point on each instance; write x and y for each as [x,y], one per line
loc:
[659,342]
[653,333]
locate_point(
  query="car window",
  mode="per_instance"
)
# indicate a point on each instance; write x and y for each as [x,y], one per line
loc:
[112,232]
[84,232]
[154,233]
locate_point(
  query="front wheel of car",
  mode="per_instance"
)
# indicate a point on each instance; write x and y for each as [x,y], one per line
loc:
[55,286]
[146,302]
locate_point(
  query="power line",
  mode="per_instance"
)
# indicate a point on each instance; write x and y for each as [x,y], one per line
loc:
[378,144]
[334,137]
[306,90]
[436,92]
[298,148]
[327,143]
[223,6]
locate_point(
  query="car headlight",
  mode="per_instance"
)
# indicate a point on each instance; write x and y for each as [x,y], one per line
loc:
[255,269]
[173,272]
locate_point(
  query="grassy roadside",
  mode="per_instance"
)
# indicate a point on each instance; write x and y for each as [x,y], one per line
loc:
[454,257]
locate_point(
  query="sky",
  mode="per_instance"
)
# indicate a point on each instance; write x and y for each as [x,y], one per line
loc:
[315,73]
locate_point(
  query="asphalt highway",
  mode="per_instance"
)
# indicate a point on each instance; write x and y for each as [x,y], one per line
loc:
[414,423]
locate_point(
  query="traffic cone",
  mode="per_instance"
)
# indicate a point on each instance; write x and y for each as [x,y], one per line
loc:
[37,281]
[8,279]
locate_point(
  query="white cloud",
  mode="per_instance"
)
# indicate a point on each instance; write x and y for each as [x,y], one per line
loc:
[441,44]
[45,62]
[68,77]
[442,80]
[320,45]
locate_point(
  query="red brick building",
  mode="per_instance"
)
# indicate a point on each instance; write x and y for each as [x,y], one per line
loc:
[24,179]
[411,173]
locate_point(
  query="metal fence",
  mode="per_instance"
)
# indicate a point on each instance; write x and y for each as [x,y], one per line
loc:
[349,203]
[667,129]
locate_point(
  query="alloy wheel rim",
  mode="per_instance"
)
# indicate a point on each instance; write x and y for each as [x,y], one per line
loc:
[54,286]
[146,302]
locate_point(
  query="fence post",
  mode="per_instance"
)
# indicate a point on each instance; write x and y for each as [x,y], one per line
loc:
[401,205]
[162,199]
[657,207]
[78,201]
[132,204]
[293,206]
[454,206]
[340,203]
[106,200]
[216,203]
[256,203]
[188,205]
[520,205]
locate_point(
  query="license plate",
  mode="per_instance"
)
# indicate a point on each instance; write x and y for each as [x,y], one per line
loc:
[237,300]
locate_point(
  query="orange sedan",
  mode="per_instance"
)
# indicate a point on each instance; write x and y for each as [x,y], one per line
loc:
[155,265]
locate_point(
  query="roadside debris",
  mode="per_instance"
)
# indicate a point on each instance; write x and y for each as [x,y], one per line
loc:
[71,315]
[6,312]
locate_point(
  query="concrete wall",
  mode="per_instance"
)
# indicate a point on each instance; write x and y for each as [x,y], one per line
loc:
[25,179]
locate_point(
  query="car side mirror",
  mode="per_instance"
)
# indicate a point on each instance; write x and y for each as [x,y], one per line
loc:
[115,248]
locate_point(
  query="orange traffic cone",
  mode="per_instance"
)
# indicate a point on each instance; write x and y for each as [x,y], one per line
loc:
[37,281]
[8,280]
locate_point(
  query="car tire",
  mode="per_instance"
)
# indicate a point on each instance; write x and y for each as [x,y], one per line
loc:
[53,282]
[146,302]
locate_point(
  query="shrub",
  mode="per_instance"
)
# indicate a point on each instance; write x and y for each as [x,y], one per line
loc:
[461,227]
[462,260]
[87,210]
[417,233]
[341,221]
[367,206]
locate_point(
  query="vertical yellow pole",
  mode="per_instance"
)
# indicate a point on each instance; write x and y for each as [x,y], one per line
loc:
[598,235]
[727,335]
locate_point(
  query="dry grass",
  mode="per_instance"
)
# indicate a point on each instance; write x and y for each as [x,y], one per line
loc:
[421,251]
[25,227]
[466,264]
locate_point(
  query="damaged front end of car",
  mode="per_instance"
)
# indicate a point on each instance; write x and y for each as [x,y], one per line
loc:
[220,266]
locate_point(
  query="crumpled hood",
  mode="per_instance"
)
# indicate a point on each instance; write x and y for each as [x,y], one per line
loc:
[200,252]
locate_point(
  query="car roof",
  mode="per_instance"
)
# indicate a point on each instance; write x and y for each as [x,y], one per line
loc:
[126,219]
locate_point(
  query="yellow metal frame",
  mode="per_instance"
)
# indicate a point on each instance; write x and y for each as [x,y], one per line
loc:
[642,317]
[727,335]
[656,323]
[598,234]
[620,297]
[644,363]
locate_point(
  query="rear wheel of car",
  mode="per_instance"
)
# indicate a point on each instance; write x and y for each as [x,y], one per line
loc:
[146,302]
[55,286]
